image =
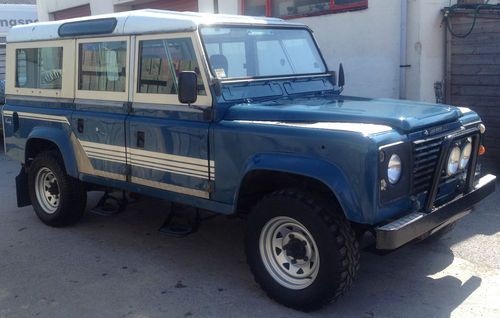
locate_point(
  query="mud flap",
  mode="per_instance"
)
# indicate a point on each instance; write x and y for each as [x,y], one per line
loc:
[22,191]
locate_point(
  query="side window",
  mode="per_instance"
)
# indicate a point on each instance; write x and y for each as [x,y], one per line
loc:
[102,66]
[161,61]
[39,68]
[21,71]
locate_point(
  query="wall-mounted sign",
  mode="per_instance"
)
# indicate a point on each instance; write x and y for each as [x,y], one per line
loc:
[14,14]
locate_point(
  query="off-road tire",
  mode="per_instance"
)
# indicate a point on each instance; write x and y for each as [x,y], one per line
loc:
[335,239]
[72,193]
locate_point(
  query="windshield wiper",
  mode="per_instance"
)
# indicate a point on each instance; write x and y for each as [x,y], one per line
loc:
[264,98]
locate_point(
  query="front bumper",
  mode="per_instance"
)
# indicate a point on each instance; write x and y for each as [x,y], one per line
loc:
[414,225]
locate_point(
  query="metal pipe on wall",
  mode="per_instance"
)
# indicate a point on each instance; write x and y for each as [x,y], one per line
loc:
[403,60]
[216,6]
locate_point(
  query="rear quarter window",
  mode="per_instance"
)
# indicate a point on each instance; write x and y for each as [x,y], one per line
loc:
[39,68]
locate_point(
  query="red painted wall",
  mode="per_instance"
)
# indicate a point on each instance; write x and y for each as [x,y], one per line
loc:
[75,12]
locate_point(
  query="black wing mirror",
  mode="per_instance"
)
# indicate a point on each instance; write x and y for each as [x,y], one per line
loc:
[341,76]
[188,87]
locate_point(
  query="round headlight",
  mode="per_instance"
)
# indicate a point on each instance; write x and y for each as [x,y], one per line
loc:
[394,169]
[465,156]
[453,161]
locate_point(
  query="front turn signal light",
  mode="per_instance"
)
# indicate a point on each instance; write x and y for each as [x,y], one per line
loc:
[482,150]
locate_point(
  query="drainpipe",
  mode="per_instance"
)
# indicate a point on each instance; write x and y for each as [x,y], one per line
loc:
[216,6]
[402,50]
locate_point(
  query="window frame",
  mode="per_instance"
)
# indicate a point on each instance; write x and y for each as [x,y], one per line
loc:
[102,95]
[334,8]
[170,99]
[68,70]
[233,79]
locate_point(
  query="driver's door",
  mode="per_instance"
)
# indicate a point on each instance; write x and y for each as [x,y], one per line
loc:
[167,142]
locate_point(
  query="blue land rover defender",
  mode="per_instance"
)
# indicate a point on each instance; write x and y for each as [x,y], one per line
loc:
[234,114]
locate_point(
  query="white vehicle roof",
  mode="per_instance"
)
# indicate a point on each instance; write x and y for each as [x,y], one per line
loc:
[141,22]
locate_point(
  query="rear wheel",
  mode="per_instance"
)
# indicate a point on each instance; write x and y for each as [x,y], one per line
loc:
[302,252]
[57,198]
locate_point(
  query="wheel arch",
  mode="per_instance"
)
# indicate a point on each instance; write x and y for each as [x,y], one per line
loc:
[266,173]
[49,138]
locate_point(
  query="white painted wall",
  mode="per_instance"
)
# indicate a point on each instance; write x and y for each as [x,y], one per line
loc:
[426,48]
[366,42]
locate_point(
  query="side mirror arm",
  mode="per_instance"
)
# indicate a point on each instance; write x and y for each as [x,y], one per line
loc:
[341,81]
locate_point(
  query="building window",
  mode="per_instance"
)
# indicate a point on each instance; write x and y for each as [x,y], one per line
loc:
[39,68]
[161,61]
[299,8]
[102,66]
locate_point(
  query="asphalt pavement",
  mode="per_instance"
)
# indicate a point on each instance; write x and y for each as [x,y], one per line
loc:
[121,266]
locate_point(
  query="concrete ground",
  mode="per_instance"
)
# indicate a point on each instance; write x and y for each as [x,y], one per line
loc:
[121,266]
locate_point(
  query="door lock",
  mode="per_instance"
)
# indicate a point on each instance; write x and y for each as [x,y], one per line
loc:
[140,139]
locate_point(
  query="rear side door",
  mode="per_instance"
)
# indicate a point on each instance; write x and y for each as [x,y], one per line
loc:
[167,142]
[101,105]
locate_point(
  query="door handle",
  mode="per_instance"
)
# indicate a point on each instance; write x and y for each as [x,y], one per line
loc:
[140,139]
[80,125]
[15,121]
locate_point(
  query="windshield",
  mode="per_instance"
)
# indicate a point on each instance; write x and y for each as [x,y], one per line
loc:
[240,52]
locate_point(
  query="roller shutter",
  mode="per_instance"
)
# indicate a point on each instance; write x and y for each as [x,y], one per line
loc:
[2,60]
[174,5]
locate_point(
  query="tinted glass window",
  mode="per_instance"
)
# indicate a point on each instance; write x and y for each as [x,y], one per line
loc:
[102,66]
[294,8]
[255,7]
[39,68]
[161,61]
[282,8]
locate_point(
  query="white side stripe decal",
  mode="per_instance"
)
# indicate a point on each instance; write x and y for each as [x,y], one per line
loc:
[188,166]
[35,116]
[166,169]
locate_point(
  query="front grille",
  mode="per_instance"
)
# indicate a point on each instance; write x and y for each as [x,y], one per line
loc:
[425,159]
[426,154]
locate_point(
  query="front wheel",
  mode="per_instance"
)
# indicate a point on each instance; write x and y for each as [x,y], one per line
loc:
[57,198]
[302,251]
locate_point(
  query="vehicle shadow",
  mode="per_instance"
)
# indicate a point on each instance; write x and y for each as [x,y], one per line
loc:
[406,283]
[395,285]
